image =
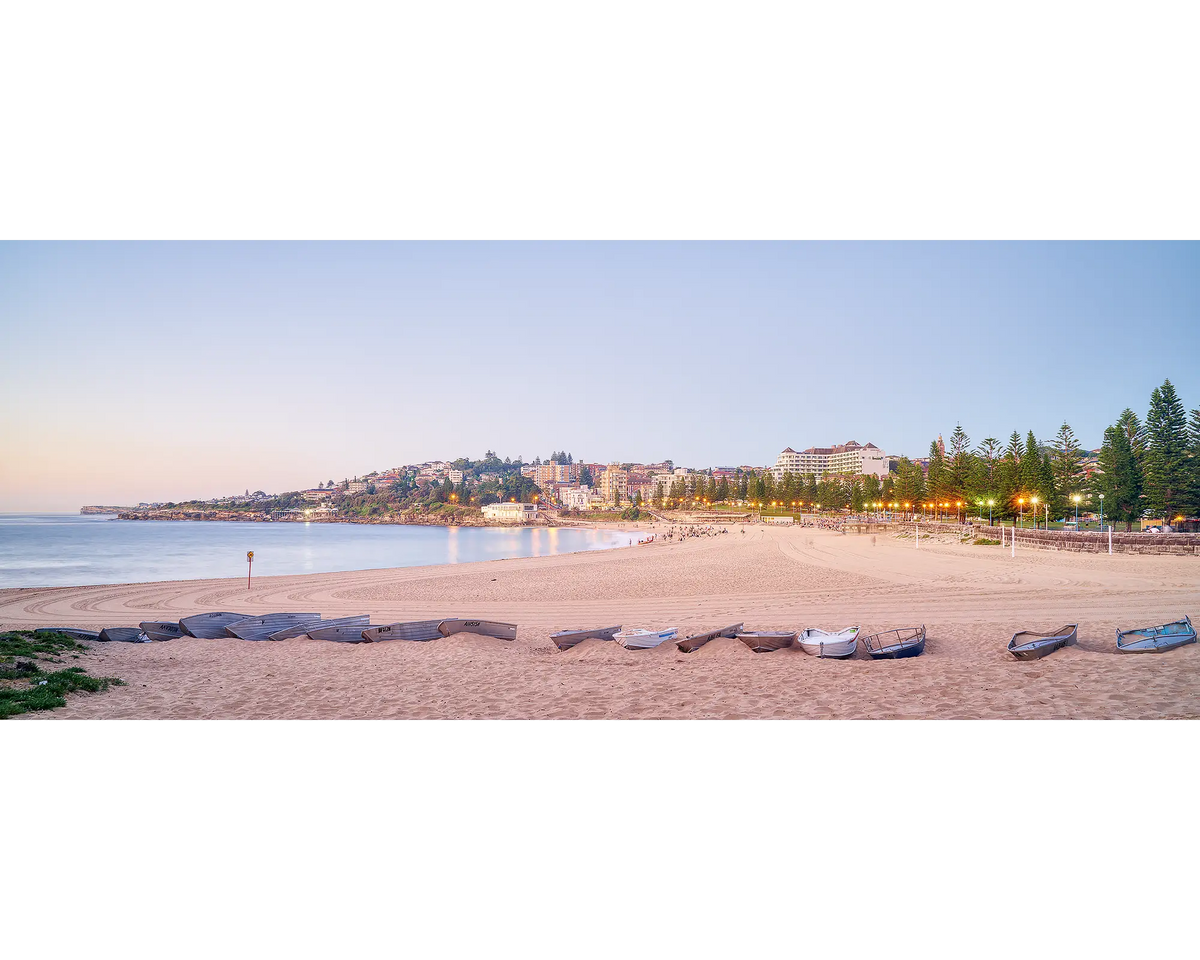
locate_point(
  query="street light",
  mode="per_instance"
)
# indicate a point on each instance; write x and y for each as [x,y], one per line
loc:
[991,503]
[1075,497]
[1021,505]
[1101,513]
[1034,501]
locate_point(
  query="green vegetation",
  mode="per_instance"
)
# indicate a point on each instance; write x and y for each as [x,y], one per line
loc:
[986,542]
[25,686]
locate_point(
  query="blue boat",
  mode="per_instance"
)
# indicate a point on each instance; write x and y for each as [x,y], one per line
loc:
[896,644]
[1157,639]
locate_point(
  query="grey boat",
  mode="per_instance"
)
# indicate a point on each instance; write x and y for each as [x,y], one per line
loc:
[417,630]
[486,628]
[210,626]
[299,629]
[896,644]
[122,635]
[1033,645]
[566,639]
[161,629]
[70,632]
[343,633]
[696,641]
[1158,639]
[261,628]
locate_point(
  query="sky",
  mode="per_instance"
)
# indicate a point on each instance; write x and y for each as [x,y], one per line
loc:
[137,372]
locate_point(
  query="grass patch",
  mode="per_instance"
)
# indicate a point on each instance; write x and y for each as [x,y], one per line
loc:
[985,542]
[25,686]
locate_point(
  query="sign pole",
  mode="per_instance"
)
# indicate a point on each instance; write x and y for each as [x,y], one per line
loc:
[249,566]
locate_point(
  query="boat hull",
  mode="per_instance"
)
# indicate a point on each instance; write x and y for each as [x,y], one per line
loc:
[1031,645]
[70,632]
[418,631]
[210,626]
[828,646]
[694,643]
[122,635]
[566,639]
[299,629]
[261,628]
[1160,639]
[896,644]
[485,628]
[767,641]
[343,633]
[161,629]
[634,640]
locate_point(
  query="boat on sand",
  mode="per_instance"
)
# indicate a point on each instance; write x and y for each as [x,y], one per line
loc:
[837,645]
[299,629]
[161,629]
[210,626]
[696,641]
[342,633]
[70,632]
[122,635]
[639,639]
[485,628]
[896,644]
[1158,639]
[566,639]
[417,630]
[261,628]
[1035,644]
[767,641]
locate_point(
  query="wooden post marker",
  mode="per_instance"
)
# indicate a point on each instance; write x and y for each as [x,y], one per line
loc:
[249,566]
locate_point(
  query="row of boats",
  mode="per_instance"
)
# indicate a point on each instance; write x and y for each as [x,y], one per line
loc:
[896,644]
[1035,644]
[833,645]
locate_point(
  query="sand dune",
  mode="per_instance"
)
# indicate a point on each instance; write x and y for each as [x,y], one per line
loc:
[972,599]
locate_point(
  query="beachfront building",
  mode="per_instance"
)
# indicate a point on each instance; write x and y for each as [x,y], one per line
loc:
[314,495]
[510,512]
[850,458]
[576,498]
[614,484]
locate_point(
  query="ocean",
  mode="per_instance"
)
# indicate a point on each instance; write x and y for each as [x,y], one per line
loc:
[51,550]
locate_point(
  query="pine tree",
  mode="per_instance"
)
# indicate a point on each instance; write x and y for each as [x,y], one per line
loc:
[1194,453]
[1066,465]
[1168,480]
[958,475]
[1129,424]
[937,474]
[1120,477]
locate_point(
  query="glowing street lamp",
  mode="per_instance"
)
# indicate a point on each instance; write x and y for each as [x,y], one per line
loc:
[1076,498]
[1021,505]
[1034,501]
[991,503]
[1101,512]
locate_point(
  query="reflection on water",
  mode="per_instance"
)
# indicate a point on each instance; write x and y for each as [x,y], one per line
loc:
[64,550]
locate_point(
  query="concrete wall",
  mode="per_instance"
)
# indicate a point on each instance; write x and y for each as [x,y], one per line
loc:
[1182,544]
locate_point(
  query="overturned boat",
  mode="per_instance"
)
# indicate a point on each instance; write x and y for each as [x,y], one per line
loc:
[639,639]
[767,641]
[835,645]
[209,626]
[122,635]
[485,628]
[342,633]
[896,644]
[299,629]
[161,629]
[415,630]
[71,632]
[1034,644]
[566,639]
[696,641]
[1158,639]
[261,628]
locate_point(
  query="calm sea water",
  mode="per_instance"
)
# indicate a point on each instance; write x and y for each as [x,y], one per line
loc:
[46,550]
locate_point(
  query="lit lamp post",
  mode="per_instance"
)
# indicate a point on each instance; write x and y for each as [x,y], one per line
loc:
[1021,505]
[991,503]
[1075,497]
[1034,501]
[958,510]
[1102,513]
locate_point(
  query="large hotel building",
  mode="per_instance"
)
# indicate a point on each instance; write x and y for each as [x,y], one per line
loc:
[845,458]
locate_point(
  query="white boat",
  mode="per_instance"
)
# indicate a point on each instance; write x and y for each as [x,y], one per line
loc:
[639,639]
[832,646]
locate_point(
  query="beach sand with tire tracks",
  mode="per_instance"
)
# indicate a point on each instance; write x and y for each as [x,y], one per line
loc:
[971,598]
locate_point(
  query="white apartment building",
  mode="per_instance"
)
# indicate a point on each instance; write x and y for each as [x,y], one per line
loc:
[576,498]
[455,476]
[846,458]
[613,482]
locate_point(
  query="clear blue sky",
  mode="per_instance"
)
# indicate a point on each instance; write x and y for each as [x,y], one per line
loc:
[163,371]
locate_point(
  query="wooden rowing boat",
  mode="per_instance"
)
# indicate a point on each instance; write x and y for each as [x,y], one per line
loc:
[767,641]
[1158,639]
[838,645]
[566,639]
[1034,644]
[299,629]
[485,628]
[210,626]
[415,630]
[161,629]
[896,644]
[693,643]
[261,628]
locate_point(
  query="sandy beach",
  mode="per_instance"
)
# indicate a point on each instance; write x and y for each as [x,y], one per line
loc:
[971,598]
